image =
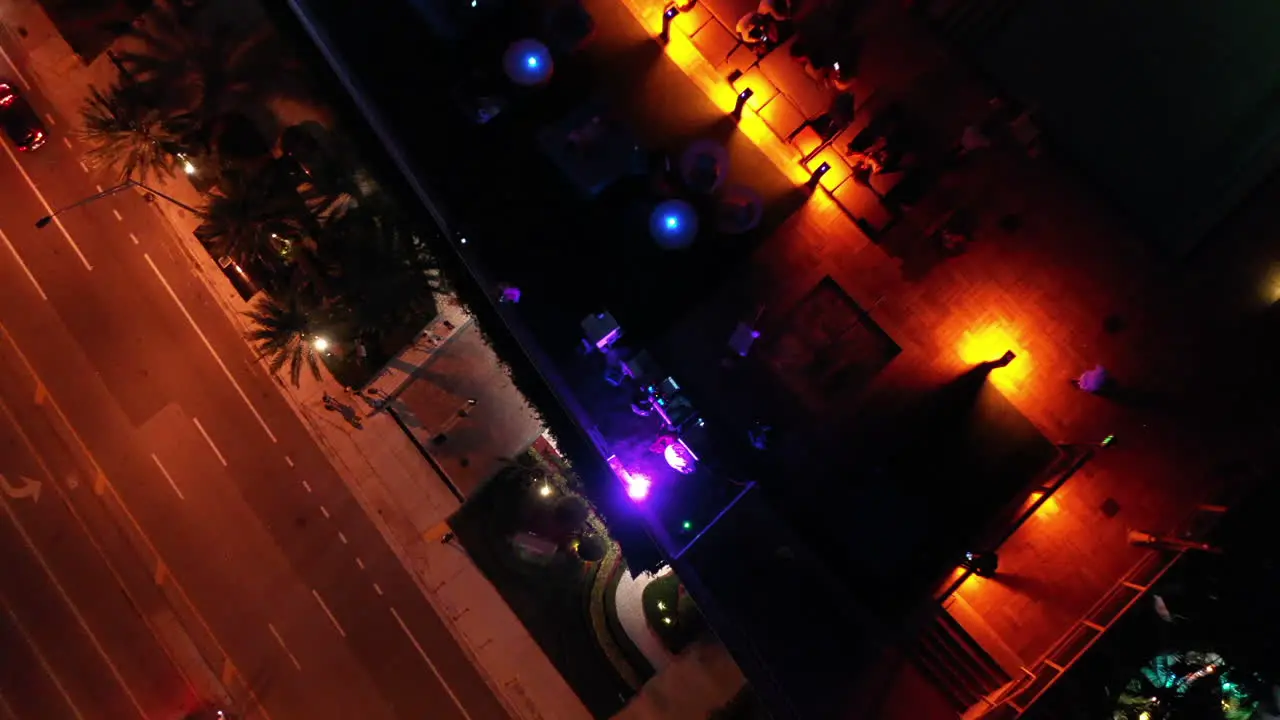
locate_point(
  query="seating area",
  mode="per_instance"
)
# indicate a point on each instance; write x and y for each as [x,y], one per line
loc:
[849,140]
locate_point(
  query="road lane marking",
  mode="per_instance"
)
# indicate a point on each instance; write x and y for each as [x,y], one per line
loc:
[66,141]
[377,589]
[84,527]
[435,670]
[297,665]
[288,460]
[49,117]
[117,214]
[169,477]
[23,265]
[99,187]
[45,203]
[21,78]
[360,563]
[324,511]
[306,485]
[332,619]
[83,166]
[208,345]
[8,709]
[210,441]
[75,611]
[44,663]
[342,537]
[134,238]
[101,480]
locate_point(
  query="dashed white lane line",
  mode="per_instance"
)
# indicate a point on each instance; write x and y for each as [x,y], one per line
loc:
[210,441]
[377,589]
[98,187]
[208,345]
[23,265]
[343,538]
[306,485]
[359,563]
[66,141]
[134,238]
[117,214]
[435,670]
[49,117]
[324,511]
[83,166]
[168,477]
[45,203]
[332,619]
[293,659]
[288,460]
[21,78]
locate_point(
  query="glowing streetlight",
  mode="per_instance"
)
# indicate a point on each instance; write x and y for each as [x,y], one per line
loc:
[320,344]
[545,491]
[187,167]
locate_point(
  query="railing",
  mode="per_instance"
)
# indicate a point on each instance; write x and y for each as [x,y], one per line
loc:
[1046,491]
[1090,628]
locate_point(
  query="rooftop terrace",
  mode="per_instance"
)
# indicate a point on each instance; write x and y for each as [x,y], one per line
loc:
[1049,275]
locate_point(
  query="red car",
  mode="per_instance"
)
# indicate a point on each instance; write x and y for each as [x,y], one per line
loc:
[19,120]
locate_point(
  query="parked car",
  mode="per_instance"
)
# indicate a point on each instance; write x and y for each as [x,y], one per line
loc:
[19,120]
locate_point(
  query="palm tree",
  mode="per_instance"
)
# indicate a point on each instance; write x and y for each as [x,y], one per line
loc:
[127,132]
[285,332]
[384,273]
[208,71]
[251,220]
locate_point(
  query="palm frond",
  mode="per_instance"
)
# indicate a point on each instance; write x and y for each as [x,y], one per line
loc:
[127,133]
[284,334]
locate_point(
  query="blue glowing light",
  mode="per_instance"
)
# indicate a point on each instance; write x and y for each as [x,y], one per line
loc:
[528,62]
[674,224]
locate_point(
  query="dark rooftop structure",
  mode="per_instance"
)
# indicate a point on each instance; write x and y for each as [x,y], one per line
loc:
[1171,108]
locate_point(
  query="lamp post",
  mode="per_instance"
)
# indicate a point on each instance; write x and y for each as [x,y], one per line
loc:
[667,16]
[128,183]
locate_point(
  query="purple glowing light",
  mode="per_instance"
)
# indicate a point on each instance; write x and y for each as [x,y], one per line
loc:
[637,486]
[679,457]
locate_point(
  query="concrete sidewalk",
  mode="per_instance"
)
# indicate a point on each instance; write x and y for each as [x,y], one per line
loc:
[399,489]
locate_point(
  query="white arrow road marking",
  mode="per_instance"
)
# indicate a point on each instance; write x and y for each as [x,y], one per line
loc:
[27,489]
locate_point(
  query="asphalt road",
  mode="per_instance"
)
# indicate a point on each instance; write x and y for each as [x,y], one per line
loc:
[155,387]
[74,643]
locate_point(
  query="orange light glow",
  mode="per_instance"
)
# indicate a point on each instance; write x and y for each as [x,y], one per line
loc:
[987,345]
[1047,510]
[762,90]
[839,171]
[685,54]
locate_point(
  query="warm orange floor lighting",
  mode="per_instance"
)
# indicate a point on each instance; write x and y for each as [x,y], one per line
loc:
[987,345]
[686,56]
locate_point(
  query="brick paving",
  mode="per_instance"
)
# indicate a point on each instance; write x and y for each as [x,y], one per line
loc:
[1069,288]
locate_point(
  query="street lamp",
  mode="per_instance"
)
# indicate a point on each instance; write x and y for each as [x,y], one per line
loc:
[128,183]
[320,344]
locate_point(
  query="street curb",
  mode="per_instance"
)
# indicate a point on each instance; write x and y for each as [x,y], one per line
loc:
[219,287]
